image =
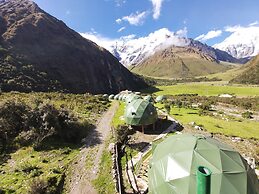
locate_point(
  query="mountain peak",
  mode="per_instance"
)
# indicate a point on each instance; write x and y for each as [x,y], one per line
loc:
[242,43]
[41,47]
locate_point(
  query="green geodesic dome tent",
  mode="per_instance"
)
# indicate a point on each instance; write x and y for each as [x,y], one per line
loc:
[111,97]
[160,98]
[175,160]
[140,112]
[105,96]
[116,97]
[148,98]
[132,97]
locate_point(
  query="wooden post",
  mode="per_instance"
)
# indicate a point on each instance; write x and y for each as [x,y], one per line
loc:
[143,129]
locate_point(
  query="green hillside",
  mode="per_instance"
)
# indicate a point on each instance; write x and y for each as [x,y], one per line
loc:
[177,62]
[250,74]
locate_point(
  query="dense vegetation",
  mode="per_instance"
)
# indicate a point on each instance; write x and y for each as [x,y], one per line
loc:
[41,134]
[167,82]
[18,76]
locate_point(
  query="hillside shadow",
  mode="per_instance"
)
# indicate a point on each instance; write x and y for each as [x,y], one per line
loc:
[87,137]
[160,126]
[150,90]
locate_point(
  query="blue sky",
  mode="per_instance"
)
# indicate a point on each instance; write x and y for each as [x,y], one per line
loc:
[116,18]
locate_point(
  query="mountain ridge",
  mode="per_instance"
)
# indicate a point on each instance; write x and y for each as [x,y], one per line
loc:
[31,36]
[132,51]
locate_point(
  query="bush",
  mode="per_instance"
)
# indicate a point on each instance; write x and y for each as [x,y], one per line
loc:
[38,186]
[22,125]
[121,134]
[247,115]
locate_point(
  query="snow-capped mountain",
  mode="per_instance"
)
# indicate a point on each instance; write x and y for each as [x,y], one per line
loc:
[130,50]
[242,43]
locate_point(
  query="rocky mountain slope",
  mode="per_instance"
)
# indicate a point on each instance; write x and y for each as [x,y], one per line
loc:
[179,62]
[132,51]
[40,53]
[242,43]
[250,75]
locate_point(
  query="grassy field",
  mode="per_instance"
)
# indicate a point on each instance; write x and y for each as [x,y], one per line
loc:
[28,164]
[206,89]
[116,121]
[234,127]
[228,75]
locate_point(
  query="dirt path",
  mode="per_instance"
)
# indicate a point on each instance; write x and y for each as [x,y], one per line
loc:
[85,168]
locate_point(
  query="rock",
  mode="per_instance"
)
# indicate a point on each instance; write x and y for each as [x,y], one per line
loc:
[198,128]
[111,147]
[251,162]
[236,139]
[192,123]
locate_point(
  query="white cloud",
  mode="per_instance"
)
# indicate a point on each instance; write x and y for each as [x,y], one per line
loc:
[121,29]
[99,39]
[211,34]
[254,23]
[182,32]
[118,20]
[134,18]
[120,2]
[233,28]
[157,5]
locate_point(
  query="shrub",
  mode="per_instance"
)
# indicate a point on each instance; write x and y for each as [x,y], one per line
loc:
[121,134]
[247,115]
[38,186]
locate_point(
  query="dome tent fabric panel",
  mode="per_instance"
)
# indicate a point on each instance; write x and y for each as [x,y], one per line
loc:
[140,112]
[230,172]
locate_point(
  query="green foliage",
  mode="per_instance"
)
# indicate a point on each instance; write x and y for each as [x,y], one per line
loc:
[104,183]
[117,119]
[37,114]
[205,89]
[204,108]
[28,125]
[122,133]
[167,107]
[17,76]
[244,129]
[247,115]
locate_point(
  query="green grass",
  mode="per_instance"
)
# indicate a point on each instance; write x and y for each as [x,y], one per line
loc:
[25,163]
[205,89]
[244,129]
[228,75]
[45,165]
[116,121]
[104,182]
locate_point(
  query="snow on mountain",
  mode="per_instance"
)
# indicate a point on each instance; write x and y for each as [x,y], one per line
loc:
[242,43]
[133,50]
[130,50]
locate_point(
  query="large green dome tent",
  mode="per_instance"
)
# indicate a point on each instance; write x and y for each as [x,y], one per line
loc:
[175,161]
[140,112]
